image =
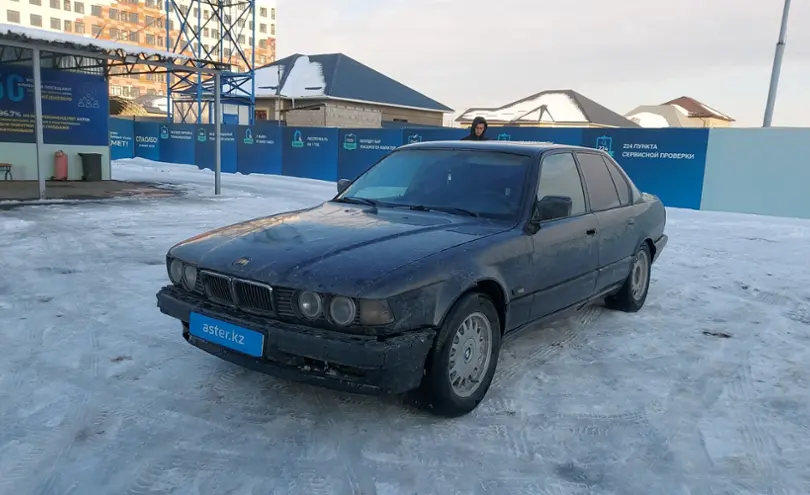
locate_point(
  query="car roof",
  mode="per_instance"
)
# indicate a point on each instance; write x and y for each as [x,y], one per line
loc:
[523,147]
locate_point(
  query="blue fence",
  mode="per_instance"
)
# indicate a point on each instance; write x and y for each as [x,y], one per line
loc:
[666,162]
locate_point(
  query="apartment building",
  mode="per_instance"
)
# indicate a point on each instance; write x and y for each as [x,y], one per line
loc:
[143,23]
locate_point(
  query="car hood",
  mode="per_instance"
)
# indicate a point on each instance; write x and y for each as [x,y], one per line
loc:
[333,247]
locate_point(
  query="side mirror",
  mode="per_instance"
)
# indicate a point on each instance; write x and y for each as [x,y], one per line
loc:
[551,207]
[342,184]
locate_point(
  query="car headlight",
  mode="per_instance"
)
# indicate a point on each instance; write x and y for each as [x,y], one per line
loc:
[189,277]
[310,304]
[176,271]
[342,310]
[375,312]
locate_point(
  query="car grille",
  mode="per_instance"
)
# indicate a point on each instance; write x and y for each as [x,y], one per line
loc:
[253,297]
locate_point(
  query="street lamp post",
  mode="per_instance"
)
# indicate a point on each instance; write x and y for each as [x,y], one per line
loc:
[777,66]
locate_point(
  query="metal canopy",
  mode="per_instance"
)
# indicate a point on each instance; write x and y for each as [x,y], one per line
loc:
[78,53]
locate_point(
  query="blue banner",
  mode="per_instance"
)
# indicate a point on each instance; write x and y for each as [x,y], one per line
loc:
[361,148]
[311,152]
[416,135]
[258,150]
[147,142]
[122,138]
[75,107]
[557,135]
[205,147]
[177,143]
[669,163]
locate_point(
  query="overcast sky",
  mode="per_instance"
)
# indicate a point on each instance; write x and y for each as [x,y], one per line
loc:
[620,53]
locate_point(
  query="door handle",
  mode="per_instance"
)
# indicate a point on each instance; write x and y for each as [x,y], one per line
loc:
[590,231]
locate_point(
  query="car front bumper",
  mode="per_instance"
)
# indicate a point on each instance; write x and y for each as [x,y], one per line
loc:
[300,353]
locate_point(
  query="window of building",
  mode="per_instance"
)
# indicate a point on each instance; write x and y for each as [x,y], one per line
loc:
[36,20]
[95,10]
[150,39]
[206,14]
[13,16]
[115,90]
[150,20]
[135,36]
[273,14]
[559,177]
[151,92]
[79,27]
[273,29]
[160,41]
[114,33]
[68,26]
[262,28]
[135,92]
[241,38]
[205,32]
[56,4]
[263,11]
[601,190]
[96,30]
[114,14]
[133,17]
[78,7]
[66,5]
[35,2]
[262,43]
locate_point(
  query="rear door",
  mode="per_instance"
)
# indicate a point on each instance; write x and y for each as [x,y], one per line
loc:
[616,229]
[565,248]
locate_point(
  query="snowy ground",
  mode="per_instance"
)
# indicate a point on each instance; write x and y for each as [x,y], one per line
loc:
[99,394]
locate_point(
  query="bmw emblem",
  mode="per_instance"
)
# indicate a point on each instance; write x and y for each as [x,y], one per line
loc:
[241,261]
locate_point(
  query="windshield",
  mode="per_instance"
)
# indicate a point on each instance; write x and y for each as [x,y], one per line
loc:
[484,183]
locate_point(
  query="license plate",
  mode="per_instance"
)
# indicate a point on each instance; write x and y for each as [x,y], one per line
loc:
[227,335]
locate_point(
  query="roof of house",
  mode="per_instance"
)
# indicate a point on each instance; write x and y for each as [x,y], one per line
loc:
[693,108]
[658,116]
[564,106]
[335,75]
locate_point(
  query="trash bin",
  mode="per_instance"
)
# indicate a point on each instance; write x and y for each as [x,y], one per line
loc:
[91,166]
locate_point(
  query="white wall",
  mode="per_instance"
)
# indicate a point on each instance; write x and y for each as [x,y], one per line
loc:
[23,160]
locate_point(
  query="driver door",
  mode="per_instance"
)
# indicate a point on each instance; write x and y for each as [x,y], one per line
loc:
[565,259]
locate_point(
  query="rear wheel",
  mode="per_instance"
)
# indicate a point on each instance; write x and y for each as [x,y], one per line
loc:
[633,293]
[464,357]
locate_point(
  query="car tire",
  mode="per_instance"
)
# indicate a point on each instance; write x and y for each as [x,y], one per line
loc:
[470,335]
[633,293]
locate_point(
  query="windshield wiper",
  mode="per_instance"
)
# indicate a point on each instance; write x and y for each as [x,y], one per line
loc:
[446,209]
[357,201]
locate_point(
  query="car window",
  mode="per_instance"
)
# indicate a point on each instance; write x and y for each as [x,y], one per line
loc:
[488,183]
[601,190]
[559,177]
[619,181]
[634,192]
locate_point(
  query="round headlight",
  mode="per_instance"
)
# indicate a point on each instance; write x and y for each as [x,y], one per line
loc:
[309,303]
[342,310]
[176,271]
[189,277]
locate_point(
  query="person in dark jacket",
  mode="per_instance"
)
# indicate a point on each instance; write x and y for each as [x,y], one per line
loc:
[477,130]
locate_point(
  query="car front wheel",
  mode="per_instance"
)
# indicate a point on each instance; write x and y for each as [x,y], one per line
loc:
[464,357]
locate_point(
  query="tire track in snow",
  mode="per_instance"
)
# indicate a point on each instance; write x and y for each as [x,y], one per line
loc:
[567,333]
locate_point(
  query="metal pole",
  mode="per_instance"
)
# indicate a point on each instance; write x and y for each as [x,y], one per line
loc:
[218,133]
[40,140]
[777,66]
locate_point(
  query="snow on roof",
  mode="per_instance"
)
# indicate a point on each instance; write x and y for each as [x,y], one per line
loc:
[9,31]
[649,119]
[305,78]
[544,107]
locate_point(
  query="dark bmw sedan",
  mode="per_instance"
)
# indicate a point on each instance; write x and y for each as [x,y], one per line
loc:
[410,276]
